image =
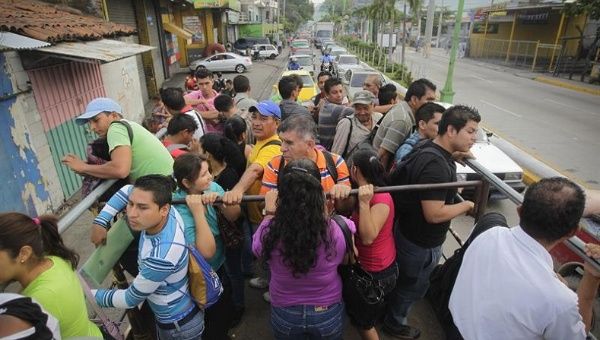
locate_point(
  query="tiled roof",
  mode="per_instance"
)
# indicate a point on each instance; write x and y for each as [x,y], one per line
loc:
[54,23]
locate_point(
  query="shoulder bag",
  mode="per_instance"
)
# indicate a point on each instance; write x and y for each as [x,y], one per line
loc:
[359,290]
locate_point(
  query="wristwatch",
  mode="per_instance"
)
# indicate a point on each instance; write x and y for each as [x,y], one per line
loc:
[266,212]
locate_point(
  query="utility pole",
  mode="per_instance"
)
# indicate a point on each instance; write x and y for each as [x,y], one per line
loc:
[439,30]
[284,19]
[429,28]
[403,32]
[447,93]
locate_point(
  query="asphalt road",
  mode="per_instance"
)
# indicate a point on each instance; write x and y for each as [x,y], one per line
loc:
[558,126]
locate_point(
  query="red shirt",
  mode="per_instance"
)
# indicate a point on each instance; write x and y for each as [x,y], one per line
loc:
[382,252]
[176,152]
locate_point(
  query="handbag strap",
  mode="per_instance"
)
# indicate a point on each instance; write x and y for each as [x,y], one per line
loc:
[339,220]
[110,325]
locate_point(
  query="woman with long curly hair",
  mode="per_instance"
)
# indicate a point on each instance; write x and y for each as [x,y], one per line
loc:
[303,248]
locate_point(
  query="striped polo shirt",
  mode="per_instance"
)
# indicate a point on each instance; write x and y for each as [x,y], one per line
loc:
[163,267]
[271,172]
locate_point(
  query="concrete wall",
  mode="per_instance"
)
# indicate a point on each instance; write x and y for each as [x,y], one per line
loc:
[122,83]
[140,67]
[30,181]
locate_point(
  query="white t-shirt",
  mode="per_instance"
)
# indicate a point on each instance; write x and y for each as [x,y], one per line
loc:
[507,289]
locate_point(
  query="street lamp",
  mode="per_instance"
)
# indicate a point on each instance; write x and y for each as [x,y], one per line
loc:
[447,93]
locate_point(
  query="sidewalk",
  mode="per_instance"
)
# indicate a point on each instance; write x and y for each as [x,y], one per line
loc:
[561,81]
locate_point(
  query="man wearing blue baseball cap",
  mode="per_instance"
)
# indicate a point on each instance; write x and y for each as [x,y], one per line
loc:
[265,117]
[134,151]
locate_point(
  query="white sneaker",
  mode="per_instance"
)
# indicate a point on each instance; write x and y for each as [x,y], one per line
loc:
[267,297]
[258,283]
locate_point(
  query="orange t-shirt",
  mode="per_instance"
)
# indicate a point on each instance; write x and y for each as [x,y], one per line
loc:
[269,180]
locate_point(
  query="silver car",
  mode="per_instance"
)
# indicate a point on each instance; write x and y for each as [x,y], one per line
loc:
[306,62]
[223,62]
[337,51]
[354,79]
[345,62]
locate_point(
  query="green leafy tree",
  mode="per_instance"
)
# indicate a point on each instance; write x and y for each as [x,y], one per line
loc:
[579,7]
[415,9]
[584,7]
[297,12]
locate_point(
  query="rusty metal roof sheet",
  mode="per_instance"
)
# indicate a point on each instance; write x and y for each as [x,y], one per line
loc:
[105,50]
[11,41]
[55,23]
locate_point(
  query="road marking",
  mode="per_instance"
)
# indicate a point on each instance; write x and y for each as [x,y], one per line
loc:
[486,80]
[570,107]
[501,109]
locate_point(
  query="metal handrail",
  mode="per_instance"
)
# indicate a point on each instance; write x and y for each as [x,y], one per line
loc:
[393,188]
[66,220]
[69,218]
[574,243]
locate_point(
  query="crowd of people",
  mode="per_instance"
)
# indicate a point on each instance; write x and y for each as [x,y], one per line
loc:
[223,145]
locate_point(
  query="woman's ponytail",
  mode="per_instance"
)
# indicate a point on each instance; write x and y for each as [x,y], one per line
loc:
[52,241]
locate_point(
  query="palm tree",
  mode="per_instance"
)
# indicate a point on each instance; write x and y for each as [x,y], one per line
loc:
[384,11]
[362,14]
[415,8]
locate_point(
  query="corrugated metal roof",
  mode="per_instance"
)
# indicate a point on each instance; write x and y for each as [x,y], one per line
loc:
[105,50]
[11,41]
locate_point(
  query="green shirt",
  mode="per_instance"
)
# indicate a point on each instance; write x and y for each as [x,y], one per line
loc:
[149,155]
[58,290]
[211,217]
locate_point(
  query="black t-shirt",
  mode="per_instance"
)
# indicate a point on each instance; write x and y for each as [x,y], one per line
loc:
[428,163]
[228,178]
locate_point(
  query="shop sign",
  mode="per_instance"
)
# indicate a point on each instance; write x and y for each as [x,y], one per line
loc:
[540,18]
[479,28]
[194,25]
[233,17]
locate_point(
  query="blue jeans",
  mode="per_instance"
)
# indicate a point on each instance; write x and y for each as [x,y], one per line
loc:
[233,267]
[247,256]
[191,330]
[308,322]
[415,265]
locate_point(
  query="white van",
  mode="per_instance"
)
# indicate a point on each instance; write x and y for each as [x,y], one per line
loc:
[266,50]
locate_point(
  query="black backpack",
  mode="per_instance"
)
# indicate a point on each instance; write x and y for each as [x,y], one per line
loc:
[100,149]
[444,275]
[404,173]
[330,164]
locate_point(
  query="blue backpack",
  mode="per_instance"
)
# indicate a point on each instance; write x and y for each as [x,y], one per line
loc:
[203,282]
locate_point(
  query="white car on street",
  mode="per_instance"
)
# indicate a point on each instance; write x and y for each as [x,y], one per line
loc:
[223,62]
[345,62]
[493,159]
[266,51]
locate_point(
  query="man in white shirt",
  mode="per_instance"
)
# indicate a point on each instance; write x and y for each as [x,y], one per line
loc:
[506,287]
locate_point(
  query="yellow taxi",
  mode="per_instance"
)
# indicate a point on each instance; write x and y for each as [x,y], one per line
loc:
[309,88]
